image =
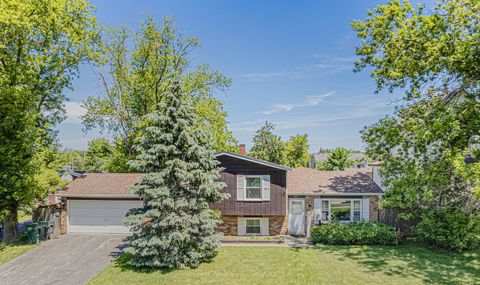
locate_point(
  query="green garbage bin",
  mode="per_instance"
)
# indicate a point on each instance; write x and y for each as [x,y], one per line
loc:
[43,225]
[32,233]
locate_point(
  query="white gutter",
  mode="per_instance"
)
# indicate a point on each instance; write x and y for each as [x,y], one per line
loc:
[87,196]
[332,194]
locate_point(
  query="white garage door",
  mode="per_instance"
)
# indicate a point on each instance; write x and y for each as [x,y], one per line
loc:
[98,216]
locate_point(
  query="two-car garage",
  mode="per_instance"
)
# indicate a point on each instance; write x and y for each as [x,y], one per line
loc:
[98,216]
[98,202]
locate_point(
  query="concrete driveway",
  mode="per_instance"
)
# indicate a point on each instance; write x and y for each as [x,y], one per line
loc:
[71,259]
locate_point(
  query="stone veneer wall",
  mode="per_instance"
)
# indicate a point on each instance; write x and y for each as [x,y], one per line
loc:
[63,216]
[309,208]
[373,208]
[277,225]
[229,226]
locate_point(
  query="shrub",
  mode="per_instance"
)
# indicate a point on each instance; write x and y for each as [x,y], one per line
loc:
[361,233]
[450,229]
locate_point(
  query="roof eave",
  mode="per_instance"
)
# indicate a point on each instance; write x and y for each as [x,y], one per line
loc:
[334,194]
[254,160]
[66,195]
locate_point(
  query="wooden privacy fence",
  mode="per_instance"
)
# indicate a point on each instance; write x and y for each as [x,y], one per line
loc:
[48,213]
[403,227]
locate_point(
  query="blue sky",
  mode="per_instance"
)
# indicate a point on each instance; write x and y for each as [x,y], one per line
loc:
[291,63]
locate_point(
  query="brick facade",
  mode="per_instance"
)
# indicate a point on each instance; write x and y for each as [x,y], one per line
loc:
[277,225]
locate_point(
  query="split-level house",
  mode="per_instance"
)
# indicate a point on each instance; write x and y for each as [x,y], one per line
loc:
[265,198]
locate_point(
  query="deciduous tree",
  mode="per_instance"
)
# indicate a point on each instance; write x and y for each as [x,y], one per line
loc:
[137,73]
[338,159]
[431,55]
[296,149]
[98,155]
[41,45]
[268,146]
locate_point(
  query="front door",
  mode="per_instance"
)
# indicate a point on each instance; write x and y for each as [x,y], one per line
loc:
[296,216]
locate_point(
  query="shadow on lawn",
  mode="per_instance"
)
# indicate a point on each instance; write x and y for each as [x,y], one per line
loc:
[431,265]
[122,259]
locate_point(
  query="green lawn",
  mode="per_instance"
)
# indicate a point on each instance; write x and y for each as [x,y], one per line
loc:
[405,264]
[24,216]
[10,251]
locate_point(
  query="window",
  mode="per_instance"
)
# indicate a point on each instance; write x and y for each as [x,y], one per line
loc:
[253,188]
[296,207]
[356,211]
[324,211]
[341,210]
[253,227]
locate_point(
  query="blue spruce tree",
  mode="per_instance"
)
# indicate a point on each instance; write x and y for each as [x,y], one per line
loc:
[175,227]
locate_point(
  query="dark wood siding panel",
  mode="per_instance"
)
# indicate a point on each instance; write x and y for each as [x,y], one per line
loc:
[232,168]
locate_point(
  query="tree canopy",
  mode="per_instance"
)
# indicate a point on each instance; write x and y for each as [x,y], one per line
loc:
[41,45]
[268,146]
[135,77]
[417,49]
[433,57]
[296,149]
[98,155]
[338,159]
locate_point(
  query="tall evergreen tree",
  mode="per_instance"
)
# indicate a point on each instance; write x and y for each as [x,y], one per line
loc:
[175,226]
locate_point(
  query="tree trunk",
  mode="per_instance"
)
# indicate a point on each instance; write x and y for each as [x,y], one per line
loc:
[10,226]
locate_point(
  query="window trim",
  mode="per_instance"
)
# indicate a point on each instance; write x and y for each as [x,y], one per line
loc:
[261,188]
[352,209]
[259,226]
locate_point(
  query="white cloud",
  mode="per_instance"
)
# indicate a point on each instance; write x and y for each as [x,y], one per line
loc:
[342,110]
[329,65]
[310,102]
[74,111]
[335,58]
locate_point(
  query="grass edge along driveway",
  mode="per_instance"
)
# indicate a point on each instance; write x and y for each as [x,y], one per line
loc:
[404,264]
[9,251]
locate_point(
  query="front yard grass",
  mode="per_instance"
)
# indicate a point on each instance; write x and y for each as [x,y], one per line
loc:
[11,250]
[404,264]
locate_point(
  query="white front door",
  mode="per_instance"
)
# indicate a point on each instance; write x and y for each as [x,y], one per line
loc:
[296,216]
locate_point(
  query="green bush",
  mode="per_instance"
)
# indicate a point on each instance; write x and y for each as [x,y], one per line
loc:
[361,233]
[450,229]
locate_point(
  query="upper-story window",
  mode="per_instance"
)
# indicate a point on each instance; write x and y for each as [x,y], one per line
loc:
[253,188]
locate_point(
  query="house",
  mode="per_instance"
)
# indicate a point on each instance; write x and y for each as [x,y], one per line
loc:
[265,198]
[258,196]
[360,159]
[317,197]
[376,176]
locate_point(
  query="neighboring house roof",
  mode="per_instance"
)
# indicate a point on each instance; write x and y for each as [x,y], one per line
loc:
[321,156]
[101,185]
[312,181]
[254,160]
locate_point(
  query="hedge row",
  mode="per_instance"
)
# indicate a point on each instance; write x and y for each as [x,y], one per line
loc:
[360,233]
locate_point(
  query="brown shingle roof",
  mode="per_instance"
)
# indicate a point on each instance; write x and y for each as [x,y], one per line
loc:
[108,185]
[307,180]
